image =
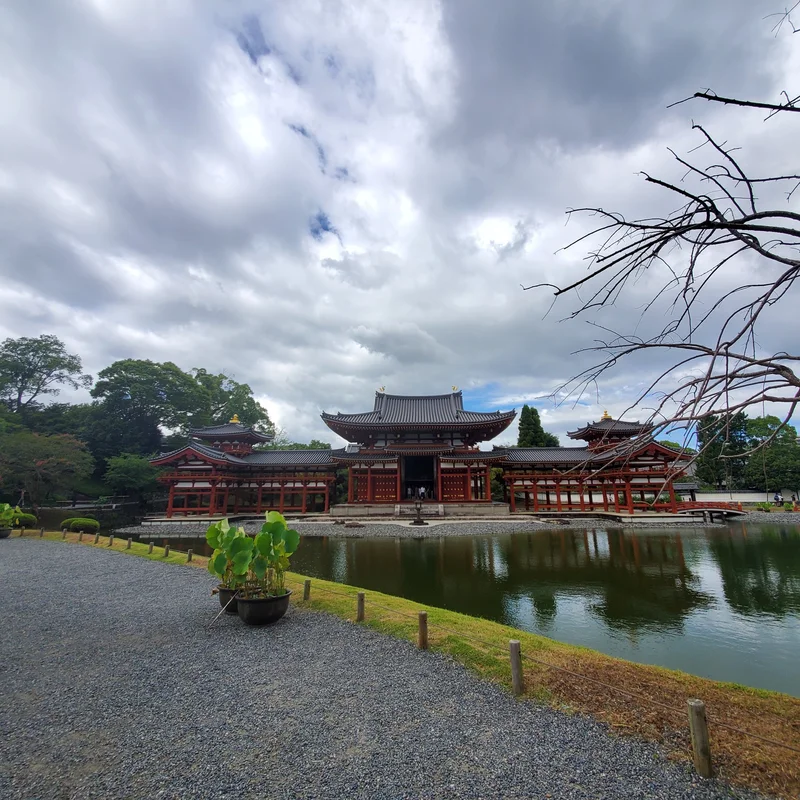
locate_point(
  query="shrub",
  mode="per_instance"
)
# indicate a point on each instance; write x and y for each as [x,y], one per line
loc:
[788,506]
[23,520]
[764,507]
[81,524]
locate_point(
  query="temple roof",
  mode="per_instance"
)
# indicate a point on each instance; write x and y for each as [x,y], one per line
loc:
[432,410]
[265,458]
[611,428]
[230,430]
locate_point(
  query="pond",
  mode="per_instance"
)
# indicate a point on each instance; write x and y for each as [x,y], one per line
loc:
[723,603]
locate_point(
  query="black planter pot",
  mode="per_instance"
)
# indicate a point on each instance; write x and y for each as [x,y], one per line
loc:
[225,596]
[263,610]
[5,533]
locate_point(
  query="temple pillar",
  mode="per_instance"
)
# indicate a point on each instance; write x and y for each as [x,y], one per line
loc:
[305,496]
[440,482]
[280,497]
[212,501]
[327,497]
[259,497]
[535,496]
[171,499]
[469,483]
[629,496]
[369,483]
[559,507]
[513,498]
[580,489]
[591,500]
[488,486]
[673,504]
[397,483]
[350,484]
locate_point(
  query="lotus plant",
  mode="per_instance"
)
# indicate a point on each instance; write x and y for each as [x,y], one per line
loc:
[256,567]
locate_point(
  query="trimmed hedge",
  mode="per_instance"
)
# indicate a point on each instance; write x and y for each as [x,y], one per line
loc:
[23,520]
[81,524]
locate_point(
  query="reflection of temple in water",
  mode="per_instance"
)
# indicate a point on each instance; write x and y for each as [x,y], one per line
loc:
[632,582]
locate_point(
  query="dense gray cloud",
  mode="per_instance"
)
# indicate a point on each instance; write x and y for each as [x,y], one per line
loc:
[322,199]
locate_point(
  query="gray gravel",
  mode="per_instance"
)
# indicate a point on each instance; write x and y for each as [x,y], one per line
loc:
[403,530]
[113,686]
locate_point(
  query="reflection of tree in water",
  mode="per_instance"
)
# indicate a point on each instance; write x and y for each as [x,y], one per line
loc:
[761,572]
[638,582]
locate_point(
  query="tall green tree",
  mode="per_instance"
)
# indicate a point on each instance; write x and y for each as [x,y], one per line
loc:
[131,474]
[162,393]
[225,397]
[531,433]
[40,466]
[722,441]
[776,464]
[33,368]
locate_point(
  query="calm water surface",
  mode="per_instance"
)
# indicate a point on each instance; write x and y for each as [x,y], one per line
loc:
[722,603]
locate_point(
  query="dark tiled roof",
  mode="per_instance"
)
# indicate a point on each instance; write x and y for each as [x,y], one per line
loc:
[439,409]
[356,455]
[609,427]
[232,429]
[279,458]
[546,455]
[203,450]
[480,455]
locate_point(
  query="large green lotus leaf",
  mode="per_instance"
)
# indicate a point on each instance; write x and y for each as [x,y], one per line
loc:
[291,540]
[240,544]
[274,516]
[220,561]
[224,525]
[227,538]
[273,529]
[263,544]
[241,562]
[213,535]
[210,565]
[259,567]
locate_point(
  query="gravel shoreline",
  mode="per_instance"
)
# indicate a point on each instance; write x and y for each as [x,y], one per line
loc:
[403,530]
[114,686]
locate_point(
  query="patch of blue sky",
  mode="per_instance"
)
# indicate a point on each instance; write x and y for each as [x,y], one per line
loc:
[320,224]
[251,39]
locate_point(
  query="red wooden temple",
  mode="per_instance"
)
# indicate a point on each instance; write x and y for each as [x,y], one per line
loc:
[412,446]
[219,473]
[621,468]
[408,447]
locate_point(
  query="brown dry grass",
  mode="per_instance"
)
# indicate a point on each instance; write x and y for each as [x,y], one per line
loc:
[602,687]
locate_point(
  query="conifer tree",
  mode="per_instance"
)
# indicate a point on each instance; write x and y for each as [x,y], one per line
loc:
[531,433]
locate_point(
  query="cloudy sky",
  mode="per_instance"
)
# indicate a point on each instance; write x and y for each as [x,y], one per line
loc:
[322,198]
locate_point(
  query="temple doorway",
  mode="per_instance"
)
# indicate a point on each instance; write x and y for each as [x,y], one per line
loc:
[418,472]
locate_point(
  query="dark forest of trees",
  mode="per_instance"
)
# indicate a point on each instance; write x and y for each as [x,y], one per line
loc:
[53,449]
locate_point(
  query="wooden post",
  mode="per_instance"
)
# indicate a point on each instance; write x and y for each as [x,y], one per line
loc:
[422,637]
[41,532]
[150,548]
[306,589]
[80,536]
[189,555]
[111,540]
[97,537]
[516,666]
[700,744]
[360,608]
[166,550]
[63,534]
[130,542]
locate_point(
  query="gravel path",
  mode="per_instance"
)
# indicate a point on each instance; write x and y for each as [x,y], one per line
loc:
[113,686]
